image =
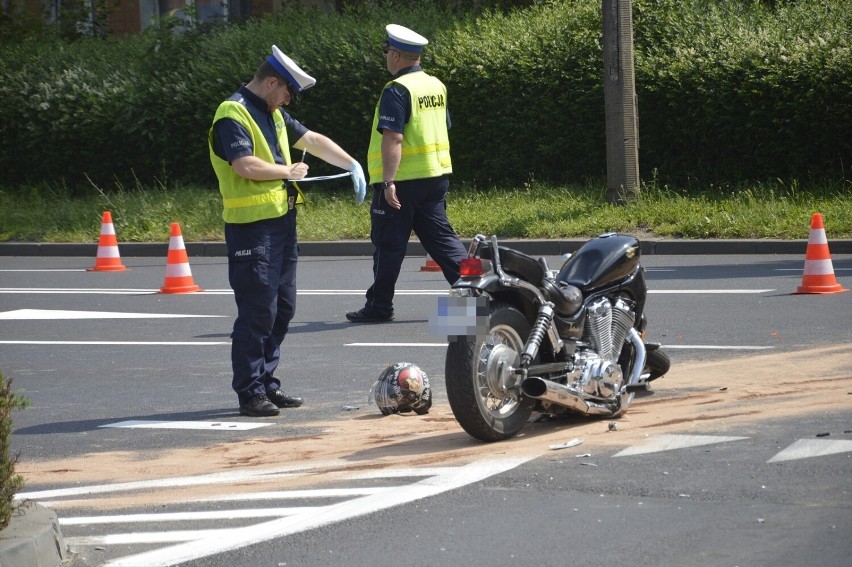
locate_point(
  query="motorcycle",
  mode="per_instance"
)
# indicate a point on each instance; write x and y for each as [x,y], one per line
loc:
[522,337]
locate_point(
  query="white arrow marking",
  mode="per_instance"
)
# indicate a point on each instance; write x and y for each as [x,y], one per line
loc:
[212,425]
[806,448]
[669,442]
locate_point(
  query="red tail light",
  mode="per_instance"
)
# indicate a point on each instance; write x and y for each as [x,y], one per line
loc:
[471,267]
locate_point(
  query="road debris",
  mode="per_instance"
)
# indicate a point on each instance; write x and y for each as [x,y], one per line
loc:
[613,426]
[567,444]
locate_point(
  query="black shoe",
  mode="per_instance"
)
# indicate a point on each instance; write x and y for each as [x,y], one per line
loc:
[258,406]
[282,400]
[367,315]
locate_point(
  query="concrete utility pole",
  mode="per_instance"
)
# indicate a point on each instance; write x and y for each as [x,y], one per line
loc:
[622,124]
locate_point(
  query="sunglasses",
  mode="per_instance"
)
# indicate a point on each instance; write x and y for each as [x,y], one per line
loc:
[294,96]
[387,48]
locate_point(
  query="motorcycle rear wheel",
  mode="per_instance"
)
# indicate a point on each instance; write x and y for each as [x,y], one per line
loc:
[482,411]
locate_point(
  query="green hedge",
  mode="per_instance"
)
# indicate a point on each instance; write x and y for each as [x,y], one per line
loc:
[727,90]
[10,482]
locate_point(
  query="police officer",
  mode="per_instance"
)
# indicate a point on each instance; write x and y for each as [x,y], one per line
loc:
[250,143]
[408,162]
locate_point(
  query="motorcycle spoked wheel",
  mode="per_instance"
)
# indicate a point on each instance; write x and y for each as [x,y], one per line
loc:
[478,406]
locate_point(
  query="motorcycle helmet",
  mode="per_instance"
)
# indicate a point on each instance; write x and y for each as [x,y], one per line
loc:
[400,388]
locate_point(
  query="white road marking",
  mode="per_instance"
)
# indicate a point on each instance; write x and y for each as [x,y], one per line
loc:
[708,291]
[211,425]
[196,544]
[116,343]
[86,290]
[406,345]
[107,291]
[800,270]
[807,448]
[185,516]
[53,315]
[149,291]
[306,493]
[188,545]
[665,346]
[400,473]
[397,344]
[716,347]
[659,443]
[145,537]
[199,480]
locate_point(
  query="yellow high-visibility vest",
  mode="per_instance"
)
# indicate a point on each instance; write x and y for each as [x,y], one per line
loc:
[246,200]
[425,141]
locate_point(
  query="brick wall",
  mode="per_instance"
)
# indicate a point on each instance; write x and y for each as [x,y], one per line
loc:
[125,18]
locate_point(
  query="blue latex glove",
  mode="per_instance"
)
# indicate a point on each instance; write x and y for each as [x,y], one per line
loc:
[358,181]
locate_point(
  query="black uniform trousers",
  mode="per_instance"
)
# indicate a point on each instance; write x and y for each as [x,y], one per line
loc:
[262,258]
[424,210]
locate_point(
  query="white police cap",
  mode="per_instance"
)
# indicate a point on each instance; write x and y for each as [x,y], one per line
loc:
[405,39]
[288,69]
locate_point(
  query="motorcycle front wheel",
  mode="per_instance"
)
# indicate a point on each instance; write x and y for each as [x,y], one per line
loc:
[657,364]
[475,385]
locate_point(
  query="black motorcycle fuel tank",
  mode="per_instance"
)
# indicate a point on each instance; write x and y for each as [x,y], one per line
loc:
[602,261]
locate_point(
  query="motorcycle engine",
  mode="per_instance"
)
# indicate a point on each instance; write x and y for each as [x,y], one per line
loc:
[596,368]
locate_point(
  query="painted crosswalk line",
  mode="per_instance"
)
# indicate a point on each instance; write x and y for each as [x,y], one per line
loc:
[659,443]
[807,448]
[187,545]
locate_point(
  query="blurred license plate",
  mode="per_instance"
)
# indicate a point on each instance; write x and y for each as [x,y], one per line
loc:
[460,316]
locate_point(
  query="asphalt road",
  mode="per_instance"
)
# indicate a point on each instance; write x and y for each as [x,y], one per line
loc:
[90,350]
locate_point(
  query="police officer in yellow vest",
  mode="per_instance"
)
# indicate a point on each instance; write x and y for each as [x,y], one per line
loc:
[250,143]
[408,162]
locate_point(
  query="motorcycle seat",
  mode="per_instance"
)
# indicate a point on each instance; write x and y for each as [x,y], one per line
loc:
[566,298]
[516,264]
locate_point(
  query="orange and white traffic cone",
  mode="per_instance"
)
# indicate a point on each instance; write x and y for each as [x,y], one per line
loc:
[178,275]
[430,265]
[108,259]
[819,272]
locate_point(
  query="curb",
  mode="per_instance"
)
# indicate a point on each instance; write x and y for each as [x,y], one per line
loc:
[32,538]
[365,248]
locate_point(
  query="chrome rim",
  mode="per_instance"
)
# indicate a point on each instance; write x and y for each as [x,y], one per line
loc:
[497,353]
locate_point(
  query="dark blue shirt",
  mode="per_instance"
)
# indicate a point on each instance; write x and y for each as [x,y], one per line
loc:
[395,105]
[232,141]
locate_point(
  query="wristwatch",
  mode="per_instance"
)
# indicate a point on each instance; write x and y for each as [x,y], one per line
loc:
[386,184]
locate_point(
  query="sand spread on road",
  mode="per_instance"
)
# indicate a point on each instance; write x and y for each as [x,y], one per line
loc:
[695,398]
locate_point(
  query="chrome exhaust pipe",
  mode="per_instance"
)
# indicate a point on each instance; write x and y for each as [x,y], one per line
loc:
[562,395]
[641,356]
